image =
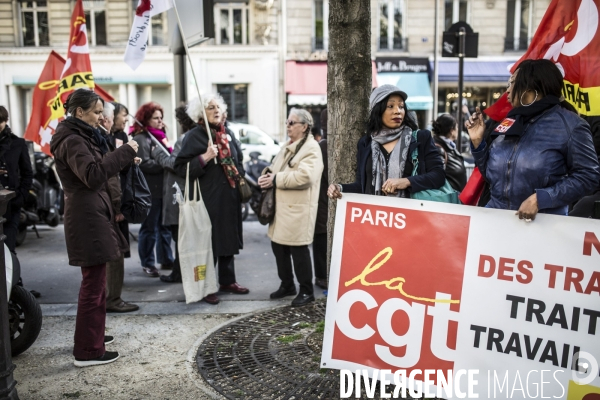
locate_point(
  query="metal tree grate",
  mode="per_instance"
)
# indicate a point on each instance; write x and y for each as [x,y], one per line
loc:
[271,355]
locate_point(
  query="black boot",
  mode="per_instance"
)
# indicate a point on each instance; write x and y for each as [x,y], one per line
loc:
[175,276]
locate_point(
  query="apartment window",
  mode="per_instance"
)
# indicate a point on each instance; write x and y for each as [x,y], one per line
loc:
[454,11]
[236,97]
[518,24]
[231,23]
[34,23]
[95,22]
[391,24]
[320,28]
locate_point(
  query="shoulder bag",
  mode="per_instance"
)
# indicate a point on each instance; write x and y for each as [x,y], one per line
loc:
[244,189]
[445,194]
[266,205]
[136,199]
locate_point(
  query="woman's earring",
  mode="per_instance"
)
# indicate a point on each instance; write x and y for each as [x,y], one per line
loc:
[533,101]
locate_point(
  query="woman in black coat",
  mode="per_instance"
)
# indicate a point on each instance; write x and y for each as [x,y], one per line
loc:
[218,184]
[446,132]
[385,166]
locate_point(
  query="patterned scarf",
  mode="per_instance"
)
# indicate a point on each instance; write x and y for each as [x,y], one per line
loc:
[220,137]
[395,168]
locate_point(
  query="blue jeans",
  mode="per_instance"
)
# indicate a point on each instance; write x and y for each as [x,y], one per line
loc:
[151,230]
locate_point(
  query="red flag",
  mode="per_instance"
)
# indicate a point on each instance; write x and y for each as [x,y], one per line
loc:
[568,35]
[60,78]
[41,124]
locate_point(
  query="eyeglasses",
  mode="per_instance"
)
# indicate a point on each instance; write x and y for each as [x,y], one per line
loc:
[292,123]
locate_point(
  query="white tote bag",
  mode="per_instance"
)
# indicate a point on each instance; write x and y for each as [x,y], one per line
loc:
[195,245]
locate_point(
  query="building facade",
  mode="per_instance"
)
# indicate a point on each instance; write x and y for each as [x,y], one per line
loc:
[268,55]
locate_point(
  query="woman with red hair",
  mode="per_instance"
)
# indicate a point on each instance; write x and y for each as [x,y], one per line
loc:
[149,121]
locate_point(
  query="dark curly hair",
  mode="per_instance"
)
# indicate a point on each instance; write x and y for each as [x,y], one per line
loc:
[375,122]
[444,125]
[187,124]
[144,115]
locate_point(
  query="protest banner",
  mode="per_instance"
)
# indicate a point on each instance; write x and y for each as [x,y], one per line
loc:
[498,307]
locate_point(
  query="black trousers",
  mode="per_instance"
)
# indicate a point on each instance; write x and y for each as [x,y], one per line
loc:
[226,267]
[320,255]
[301,257]
[11,227]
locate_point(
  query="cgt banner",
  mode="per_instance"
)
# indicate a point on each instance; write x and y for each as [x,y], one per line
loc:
[463,302]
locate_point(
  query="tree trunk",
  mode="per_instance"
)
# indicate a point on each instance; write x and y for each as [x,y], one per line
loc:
[348,90]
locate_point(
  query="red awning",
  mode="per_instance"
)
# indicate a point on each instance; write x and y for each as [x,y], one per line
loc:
[306,82]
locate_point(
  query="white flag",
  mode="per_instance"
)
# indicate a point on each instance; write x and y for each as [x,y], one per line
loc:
[138,38]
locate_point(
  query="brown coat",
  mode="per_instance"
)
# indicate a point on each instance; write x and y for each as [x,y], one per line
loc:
[91,233]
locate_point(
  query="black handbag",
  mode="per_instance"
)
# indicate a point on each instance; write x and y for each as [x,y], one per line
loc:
[136,199]
[245,190]
[266,206]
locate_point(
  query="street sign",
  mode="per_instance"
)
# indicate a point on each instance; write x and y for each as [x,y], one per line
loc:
[451,45]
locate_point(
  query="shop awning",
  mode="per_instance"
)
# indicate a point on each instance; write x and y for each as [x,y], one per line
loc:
[475,71]
[306,82]
[416,86]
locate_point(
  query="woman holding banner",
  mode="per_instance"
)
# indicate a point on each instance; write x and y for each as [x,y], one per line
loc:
[84,165]
[385,167]
[543,158]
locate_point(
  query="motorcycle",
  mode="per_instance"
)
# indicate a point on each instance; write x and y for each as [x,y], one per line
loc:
[24,312]
[45,201]
[254,168]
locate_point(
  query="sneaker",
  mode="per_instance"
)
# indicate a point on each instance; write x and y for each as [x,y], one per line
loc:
[151,272]
[108,339]
[107,358]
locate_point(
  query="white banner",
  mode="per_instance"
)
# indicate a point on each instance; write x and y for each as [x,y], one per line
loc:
[439,293]
[135,52]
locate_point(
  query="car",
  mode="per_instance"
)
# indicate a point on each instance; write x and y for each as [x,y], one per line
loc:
[254,139]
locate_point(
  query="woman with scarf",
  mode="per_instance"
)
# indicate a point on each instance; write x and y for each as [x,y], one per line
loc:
[149,123]
[543,157]
[385,166]
[84,165]
[218,184]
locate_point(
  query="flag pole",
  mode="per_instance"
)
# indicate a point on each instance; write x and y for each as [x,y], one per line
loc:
[187,52]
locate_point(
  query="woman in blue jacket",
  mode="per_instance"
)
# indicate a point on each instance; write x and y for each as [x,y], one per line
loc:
[384,155]
[543,158]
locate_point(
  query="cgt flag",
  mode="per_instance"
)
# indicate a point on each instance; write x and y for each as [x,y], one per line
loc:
[138,38]
[43,121]
[76,73]
[568,35]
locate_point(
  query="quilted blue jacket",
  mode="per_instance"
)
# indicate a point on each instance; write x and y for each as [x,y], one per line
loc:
[554,157]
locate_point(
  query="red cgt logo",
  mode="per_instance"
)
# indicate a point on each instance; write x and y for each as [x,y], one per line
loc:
[397,302]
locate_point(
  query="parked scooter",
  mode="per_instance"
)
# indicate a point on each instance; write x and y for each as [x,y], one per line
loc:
[24,312]
[254,169]
[44,202]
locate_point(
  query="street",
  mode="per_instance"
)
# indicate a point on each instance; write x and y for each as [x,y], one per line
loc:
[45,268]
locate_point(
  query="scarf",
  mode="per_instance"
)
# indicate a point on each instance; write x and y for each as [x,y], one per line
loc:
[157,133]
[220,138]
[395,168]
[91,132]
[518,117]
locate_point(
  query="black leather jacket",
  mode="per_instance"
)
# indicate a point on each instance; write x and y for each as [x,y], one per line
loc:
[454,164]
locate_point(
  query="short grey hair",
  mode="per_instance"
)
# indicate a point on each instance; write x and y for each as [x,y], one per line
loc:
[109,110]
[194,107]
[303,116]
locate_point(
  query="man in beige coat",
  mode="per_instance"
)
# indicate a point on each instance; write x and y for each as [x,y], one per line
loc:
[295,174]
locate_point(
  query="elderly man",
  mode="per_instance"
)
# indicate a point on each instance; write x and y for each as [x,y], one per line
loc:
[115,269]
